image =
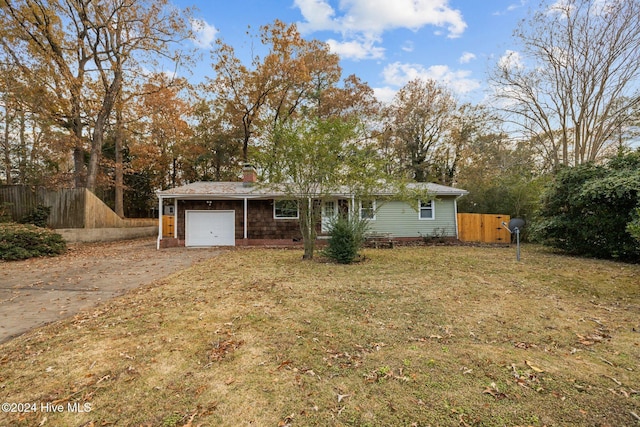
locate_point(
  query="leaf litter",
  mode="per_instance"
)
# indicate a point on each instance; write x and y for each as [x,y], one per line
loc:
[402,338]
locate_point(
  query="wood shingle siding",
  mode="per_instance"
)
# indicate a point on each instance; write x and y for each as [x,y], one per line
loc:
[261,224]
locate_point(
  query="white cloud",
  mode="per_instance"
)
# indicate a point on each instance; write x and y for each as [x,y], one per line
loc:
[380,15]
[362,22]
[384,94]
[467,57]
[603,7]
[318,13]
[204,33]
[357,49]
[511,60]
[595,7]
[399,74]
[512,7]
[560,7]
[407,46]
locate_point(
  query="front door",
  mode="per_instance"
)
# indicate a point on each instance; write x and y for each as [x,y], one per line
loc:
[329,213]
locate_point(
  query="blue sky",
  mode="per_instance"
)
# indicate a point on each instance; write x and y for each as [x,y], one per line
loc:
[384,42]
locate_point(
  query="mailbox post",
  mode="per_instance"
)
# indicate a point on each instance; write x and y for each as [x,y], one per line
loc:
[515,225]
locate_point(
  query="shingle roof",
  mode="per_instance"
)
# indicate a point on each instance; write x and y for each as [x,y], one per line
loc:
[212,190]
[438,189]
[215,188]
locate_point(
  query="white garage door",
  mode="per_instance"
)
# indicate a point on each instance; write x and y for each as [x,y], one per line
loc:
[210,228]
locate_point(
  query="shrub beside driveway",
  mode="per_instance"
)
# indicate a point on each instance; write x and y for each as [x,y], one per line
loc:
[23,241]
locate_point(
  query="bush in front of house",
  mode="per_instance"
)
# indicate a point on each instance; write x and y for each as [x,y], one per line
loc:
[347,235]
[23,241]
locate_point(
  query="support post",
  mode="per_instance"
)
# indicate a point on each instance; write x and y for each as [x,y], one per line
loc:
[159,222]
[246,216]
[175,218]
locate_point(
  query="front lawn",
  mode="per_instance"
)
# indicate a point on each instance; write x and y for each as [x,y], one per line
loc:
[440,336]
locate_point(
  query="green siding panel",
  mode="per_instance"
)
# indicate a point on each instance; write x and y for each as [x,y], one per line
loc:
[401,219]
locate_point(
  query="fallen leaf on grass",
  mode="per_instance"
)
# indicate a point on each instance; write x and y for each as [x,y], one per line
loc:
[283,364]
[524,345]
[594,338]
[613,379]
[535,368]
[286,422]
[463,423]
[189,423]
[342,396]
[493,391]
[222,348]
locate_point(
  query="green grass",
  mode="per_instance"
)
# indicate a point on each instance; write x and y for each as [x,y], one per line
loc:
[439,336]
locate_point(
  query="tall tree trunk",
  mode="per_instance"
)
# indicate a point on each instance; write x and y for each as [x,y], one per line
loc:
[112,92]
[22,148]
[78,151]
[7,151]
[119,178]
[307,227]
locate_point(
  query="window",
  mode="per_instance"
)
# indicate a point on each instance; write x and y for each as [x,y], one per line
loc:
[329,209]
[427,210]
[285,209]
[368,209]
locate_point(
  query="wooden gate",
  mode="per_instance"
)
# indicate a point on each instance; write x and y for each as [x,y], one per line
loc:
[167,225]
[484,228]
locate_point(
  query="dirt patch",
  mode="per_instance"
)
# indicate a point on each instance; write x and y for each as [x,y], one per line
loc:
[39,291]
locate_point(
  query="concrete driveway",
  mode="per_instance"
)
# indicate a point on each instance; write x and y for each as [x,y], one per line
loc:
[39,291]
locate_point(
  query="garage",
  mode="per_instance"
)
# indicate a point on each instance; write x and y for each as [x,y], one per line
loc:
[210,228]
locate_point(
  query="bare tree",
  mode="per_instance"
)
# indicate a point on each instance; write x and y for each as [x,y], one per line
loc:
[575,79]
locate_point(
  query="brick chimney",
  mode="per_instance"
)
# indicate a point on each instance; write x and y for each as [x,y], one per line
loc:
[249,175]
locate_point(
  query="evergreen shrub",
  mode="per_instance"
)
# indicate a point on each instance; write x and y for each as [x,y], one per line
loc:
[23,241]
[347,235]
[38,216]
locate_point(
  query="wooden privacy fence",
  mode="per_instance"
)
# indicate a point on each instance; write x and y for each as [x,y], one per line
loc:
[485,228]
[70,207]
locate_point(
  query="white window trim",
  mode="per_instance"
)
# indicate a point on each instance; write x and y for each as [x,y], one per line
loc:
[286,217]
[433,211]
[373,207]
